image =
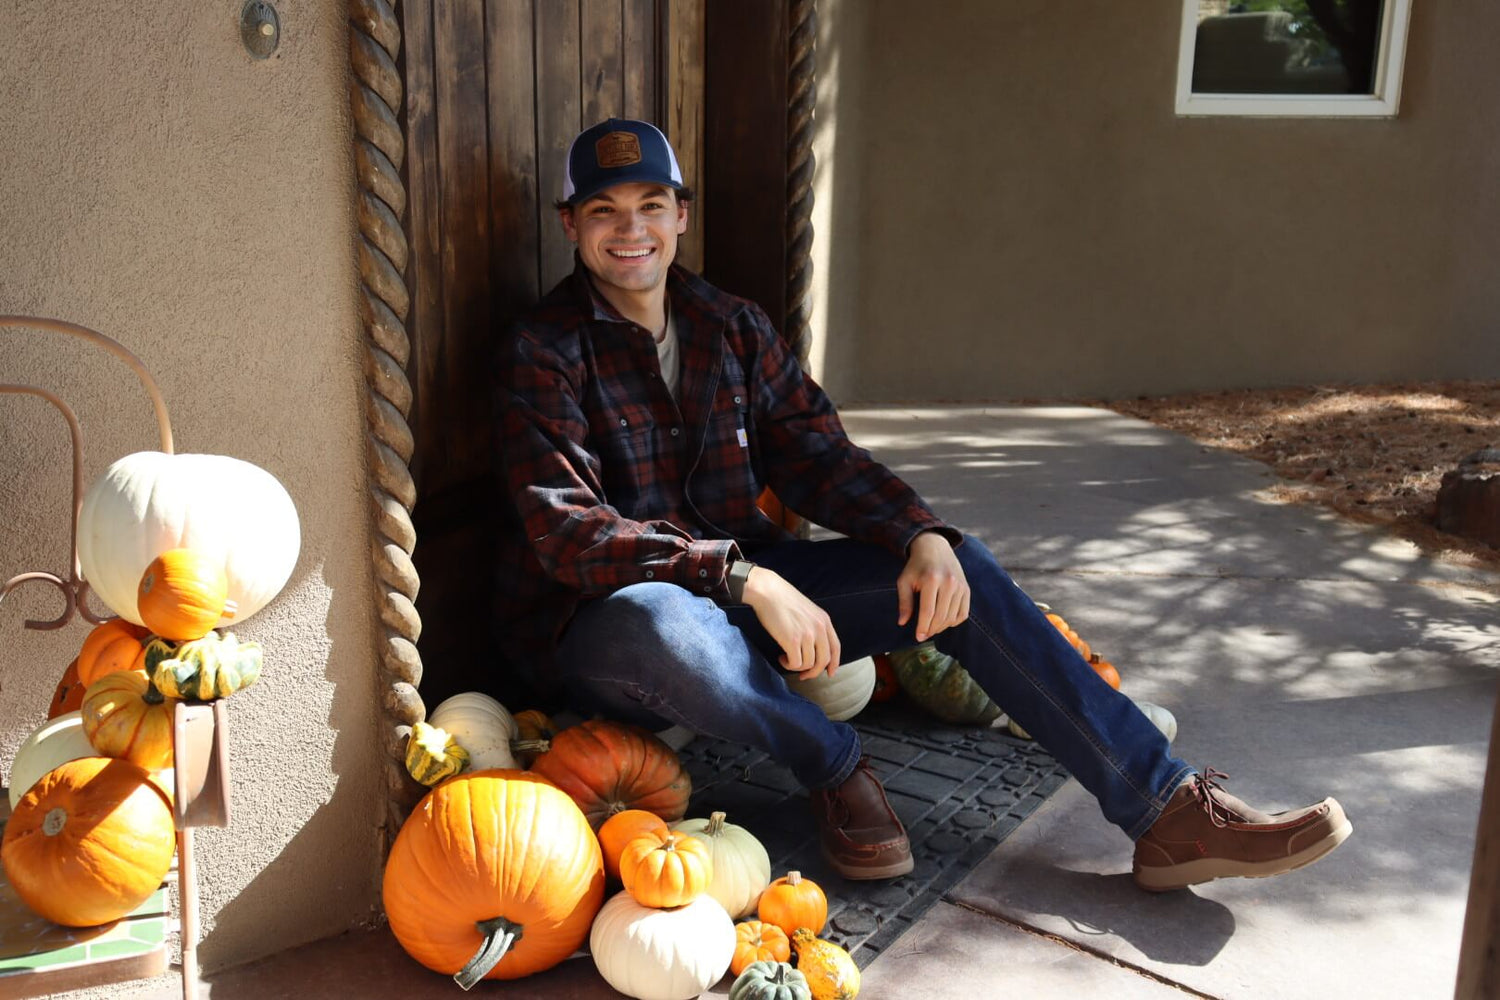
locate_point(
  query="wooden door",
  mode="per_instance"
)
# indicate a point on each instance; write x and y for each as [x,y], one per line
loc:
[496,90]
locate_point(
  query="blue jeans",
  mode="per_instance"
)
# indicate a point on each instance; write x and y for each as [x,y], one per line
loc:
[655,654]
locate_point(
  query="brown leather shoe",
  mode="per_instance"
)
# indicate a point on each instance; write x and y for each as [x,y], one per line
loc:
[1205,833]
[860,833]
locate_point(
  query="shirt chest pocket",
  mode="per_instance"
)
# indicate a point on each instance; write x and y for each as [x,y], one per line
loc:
[626,440]
[730,449]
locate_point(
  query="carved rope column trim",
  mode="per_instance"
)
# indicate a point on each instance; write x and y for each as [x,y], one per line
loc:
[801,99]
[375,97]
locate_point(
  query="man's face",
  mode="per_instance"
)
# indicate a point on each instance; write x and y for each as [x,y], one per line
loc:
[627,234]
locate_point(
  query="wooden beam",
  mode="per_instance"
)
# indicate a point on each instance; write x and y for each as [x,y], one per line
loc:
[745,151]
[1479,952]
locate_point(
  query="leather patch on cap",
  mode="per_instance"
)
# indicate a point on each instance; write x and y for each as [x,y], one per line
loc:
[618,149]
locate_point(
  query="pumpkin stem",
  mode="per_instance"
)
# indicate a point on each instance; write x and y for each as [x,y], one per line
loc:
[530,746]
[715,824]
[152,695]
[54,822]
[792,878]
[499,935]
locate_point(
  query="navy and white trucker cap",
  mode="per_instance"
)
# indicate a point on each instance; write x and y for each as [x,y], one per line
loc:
[619,151]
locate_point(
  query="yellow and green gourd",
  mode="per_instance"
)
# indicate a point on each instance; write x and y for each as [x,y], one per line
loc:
[215,666]
[940,684]
[432,754]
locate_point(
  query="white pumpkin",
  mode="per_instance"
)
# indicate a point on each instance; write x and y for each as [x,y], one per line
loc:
[53,744]
[149,502]
[845,694]
[481,725]
[653,954]
[742,868]
[1161,718]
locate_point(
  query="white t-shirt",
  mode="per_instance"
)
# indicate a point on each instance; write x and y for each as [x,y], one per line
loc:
[668,357]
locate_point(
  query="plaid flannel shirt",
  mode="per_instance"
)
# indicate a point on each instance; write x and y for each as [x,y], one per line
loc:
[615,483]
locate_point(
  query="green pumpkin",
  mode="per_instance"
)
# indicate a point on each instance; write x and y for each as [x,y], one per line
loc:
[770,981]
[215,666]
[939,684]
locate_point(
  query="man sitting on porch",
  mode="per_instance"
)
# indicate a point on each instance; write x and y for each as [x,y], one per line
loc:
[641,413]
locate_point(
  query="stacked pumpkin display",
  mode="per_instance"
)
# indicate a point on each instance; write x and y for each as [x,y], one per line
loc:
[486,852]
[174,545]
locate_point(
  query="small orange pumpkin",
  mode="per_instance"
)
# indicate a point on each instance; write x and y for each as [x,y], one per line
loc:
[758,941]
[69,694]
[125,716]
[1106,670]
[112,646]
[90,841]
[619,830]
[183,594]
[791,902]
[771,506]
[664,869]
[887,684]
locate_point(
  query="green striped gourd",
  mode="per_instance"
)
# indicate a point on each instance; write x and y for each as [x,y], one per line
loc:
[939,684]
[215,666]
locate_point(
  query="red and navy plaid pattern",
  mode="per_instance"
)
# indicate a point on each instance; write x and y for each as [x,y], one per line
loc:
[615,483]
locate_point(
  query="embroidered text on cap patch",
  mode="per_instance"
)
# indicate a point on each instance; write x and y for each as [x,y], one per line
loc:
[618,149]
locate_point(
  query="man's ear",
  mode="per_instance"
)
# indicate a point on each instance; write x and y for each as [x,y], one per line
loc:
[566,215]
[682,216]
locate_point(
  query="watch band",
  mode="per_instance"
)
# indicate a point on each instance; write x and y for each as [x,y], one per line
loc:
[735,577]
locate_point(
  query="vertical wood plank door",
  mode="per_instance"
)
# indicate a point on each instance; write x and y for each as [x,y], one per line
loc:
[496,90]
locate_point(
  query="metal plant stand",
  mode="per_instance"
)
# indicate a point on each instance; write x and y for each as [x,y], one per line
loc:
[37,957]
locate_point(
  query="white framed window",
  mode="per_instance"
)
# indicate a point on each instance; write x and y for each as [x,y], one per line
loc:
[1292,58]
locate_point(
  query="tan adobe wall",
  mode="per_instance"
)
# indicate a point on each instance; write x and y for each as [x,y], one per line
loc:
[162,187]
[1032,218]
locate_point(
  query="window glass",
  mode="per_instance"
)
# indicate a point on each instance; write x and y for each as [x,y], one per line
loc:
[1287,46]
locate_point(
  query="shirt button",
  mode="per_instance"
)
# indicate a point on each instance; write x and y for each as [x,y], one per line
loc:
[703,572]
[736,399]
[624,422]
[707,590]
[675,432]
[651,374]
[651,574]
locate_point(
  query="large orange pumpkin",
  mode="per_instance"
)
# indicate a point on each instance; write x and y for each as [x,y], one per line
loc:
[125,716]
[114,645]
[608,767]
[495,875]
[90,841]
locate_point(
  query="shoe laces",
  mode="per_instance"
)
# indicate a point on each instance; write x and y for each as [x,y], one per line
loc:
[1204,786]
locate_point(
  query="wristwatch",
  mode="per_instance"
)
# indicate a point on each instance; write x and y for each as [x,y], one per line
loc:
[735,577]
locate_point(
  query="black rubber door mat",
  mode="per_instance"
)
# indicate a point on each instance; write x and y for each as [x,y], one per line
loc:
[960,792]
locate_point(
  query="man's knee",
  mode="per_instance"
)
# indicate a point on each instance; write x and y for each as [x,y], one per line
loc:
[646,629]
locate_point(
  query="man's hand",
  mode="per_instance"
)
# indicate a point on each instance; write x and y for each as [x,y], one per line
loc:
[932,571]
[801,628]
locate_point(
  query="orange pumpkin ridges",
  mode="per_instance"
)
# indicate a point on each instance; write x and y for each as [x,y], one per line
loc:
[758,941]
[89,842]
[69,694]
[529,867]
[666,868]
[607,767]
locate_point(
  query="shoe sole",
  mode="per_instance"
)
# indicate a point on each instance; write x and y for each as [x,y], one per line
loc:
[1165,879]
[864,873]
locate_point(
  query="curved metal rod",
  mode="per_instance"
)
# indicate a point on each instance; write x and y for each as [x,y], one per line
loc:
[158,405]
[75,588]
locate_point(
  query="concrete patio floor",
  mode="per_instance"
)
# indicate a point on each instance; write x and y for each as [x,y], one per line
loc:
[1304,655]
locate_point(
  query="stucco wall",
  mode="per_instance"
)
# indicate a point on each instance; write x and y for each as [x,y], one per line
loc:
[1033,219]
[163,188]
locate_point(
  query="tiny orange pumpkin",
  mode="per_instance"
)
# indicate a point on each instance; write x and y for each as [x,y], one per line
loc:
[111,646]
[664,869]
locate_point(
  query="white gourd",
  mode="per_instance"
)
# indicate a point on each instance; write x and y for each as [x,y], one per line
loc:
[53,744]
[652,954]
[1161,718]
[228,509]
[481,725]
[742,868]
[845,694]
